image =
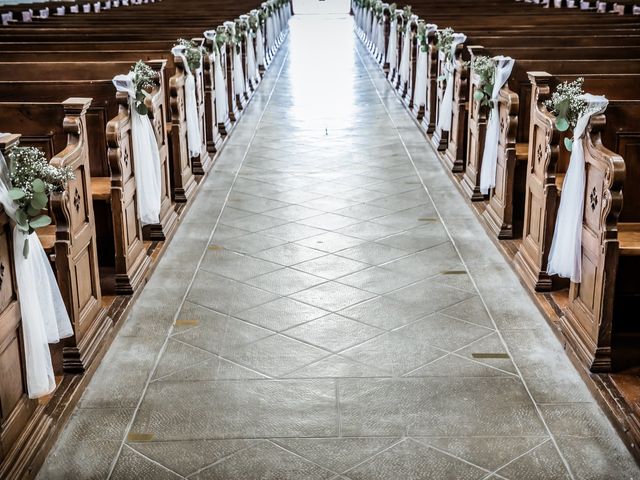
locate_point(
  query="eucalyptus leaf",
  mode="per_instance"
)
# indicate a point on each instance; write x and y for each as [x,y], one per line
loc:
[32,212]
[16,193]
[442,78]
[478,95]
[23,227]
[562,124]
[25,248]
[41,221]
[38,185]
[39,200]
[21,217]
[141,108]
[568,144]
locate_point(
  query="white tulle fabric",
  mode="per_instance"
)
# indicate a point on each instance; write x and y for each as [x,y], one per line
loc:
[260,58]
[566,248]
[392,47]
[222,107]
[146,156]
[252,69]
[405,60]
[446,105]
[239,84]
[44,316]
[381,50]
[504,66]
[422,64]
[194,138]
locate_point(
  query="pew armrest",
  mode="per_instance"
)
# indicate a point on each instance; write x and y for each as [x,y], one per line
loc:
[101,188]
[629,239]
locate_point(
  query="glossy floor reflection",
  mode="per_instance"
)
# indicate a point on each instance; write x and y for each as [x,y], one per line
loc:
[331,309]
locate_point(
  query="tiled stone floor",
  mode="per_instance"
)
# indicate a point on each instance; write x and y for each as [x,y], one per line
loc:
[320,312]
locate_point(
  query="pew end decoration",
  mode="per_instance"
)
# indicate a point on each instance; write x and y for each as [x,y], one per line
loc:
[192,52]
[144,79]
[485,67]
[567,105]
[565,256]
[33,179]
[135,85]
[191,55]
[44,316]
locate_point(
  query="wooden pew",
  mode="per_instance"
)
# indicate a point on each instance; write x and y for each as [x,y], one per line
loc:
[600,319]
[546,166]
[19,413]
[121,249]
[60,131]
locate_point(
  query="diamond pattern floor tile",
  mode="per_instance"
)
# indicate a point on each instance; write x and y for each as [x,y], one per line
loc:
[311,319]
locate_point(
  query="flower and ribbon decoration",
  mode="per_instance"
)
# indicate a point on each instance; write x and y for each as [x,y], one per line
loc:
[137,84]
[191,55]
[255,23]
[567,104]
[25,184]
[33,179]
[422,64]
[392,47]
[447,43]
[407,14]
[235,40]
[573,110]
[218,40]
[248,25]
[494,74]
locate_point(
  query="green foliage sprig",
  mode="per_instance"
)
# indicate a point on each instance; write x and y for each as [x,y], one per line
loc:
[485,67]
[422,36]
[33,180]
[444,42]
[192,52]
[144,78]
[567,106]
[221,37]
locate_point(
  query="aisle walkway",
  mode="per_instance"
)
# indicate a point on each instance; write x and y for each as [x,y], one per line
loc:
[322,313]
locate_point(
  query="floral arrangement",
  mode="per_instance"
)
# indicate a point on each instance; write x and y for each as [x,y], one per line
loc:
[32,180]
[254,21]
[192,52]
[422,36]
[378,9]
[392,9]
[485,67]
[567,106]
[232,35]
[221,37]
[406,17]
[144,78]
[444,43]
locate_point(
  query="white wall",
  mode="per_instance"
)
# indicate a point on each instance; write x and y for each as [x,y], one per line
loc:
[310,7]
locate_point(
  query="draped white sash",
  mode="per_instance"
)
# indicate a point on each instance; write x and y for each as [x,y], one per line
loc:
[504,65]
[146,156]
[392,47]
[380,38]
[194,135]
[260,47]
[220,86]
[405,58]
[44,317]
[239,83]
[566,248]
[446,105]
[422,64]
[194,139]
[252,69]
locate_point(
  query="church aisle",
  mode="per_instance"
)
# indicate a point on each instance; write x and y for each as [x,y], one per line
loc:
[331,308]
